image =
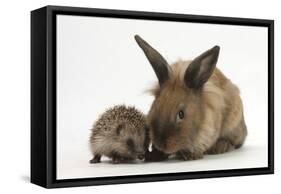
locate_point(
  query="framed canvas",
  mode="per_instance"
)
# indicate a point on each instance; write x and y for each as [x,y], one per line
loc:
[128,96]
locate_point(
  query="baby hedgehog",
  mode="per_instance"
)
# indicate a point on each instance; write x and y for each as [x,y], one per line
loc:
[120,134]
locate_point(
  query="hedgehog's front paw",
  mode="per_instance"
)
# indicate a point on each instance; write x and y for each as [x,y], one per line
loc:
[96,159]
[187,155]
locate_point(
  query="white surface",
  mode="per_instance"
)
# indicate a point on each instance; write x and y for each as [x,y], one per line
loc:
[252,155]
[15,94]
[99,65]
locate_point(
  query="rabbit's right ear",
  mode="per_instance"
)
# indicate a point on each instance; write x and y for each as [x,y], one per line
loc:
[201,68]
[158,63]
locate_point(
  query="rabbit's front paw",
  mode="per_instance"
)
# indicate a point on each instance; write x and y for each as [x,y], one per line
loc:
[187,155]
[221,146]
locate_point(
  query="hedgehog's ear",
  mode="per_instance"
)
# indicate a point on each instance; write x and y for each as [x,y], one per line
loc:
[201,68]
[119,128]
[158,63]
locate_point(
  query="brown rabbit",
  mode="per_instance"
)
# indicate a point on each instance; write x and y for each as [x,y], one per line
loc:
[196,109]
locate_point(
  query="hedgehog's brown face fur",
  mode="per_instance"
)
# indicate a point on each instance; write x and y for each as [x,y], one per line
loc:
[131,141]
[173,117]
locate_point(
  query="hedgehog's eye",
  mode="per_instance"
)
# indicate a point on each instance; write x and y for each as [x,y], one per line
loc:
[130,143]
[119,128]
[180,115]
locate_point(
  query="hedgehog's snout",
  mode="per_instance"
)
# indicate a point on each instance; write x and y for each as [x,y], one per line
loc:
[141,156]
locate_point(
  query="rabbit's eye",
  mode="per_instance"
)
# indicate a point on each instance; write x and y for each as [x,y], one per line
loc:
[180,115]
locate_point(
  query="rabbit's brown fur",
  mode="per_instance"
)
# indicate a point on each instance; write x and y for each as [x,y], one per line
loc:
[213,113]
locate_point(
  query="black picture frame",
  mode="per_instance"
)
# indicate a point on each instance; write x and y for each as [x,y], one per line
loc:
[43,96]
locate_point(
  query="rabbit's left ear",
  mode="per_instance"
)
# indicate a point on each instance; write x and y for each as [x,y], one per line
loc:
[157,61]
[201,68]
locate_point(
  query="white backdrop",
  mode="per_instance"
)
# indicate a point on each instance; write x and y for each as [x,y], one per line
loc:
[100,65]
[15,95]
